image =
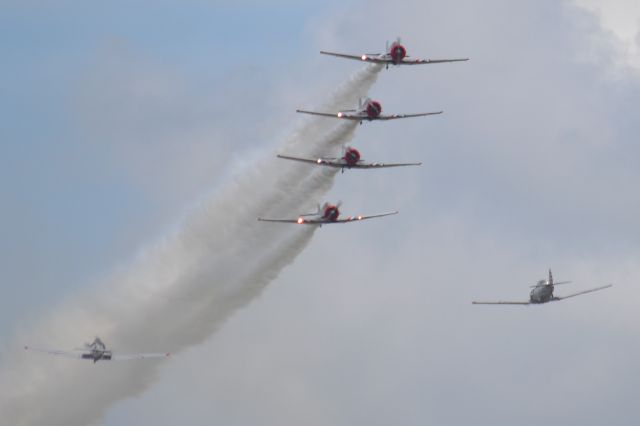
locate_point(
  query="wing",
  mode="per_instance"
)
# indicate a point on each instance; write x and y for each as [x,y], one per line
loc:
[406,61]
[357,218]
[300,221]
[331,162]
[380,165]
[583,292]
[500,303]
[303,221]
[324,114]
[374,58]
[68,354]
[126,357]
[261,219]
[344,115]
[339,164]
[396,116]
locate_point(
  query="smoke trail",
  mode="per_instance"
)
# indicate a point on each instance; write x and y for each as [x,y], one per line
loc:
[182,289]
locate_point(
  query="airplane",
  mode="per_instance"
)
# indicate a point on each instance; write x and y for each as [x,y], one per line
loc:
[367,110]
[97,351]
[350,160]
[543,292]
[396,54]
[325,215]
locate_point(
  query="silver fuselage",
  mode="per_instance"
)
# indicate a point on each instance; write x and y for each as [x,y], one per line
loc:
[541,293]
[97,351]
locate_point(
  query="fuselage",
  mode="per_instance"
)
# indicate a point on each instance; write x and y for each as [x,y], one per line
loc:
[97,355]
[330,213]
[541,293]
[370,110]
[351,157]
[97,351]
[397,52]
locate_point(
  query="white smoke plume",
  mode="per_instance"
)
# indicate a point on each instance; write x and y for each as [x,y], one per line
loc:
[181,290]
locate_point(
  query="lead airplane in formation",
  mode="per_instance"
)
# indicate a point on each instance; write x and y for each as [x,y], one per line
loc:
[368,110]
[350,160]
[396,54]
[325,215]
[97,351]
[542,292]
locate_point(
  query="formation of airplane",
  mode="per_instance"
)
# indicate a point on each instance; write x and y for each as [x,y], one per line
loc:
[542,292]
[325,215]
[350,159]
[368,110]
[396,54]
[97,351]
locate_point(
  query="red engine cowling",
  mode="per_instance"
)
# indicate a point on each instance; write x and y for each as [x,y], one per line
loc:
[373,109]
[331,213]
[397,52]
[351,156]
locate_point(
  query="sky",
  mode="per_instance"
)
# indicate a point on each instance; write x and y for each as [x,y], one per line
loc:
[120,118]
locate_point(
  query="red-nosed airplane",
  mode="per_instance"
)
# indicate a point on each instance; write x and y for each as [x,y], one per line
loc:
[325,215]
[367,110]
[396,54]
[350,160]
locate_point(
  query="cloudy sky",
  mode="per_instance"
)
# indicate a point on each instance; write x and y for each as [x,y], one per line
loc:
[118,119]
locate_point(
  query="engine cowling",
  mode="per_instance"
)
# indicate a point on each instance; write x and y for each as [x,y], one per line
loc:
[331,213]
[397,52]
[351,156]
[374,108]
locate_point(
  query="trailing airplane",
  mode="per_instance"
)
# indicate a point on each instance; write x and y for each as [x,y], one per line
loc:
[542,292]
[350,160]
[97,351]
[367,110]
[396,54]
[325,215]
